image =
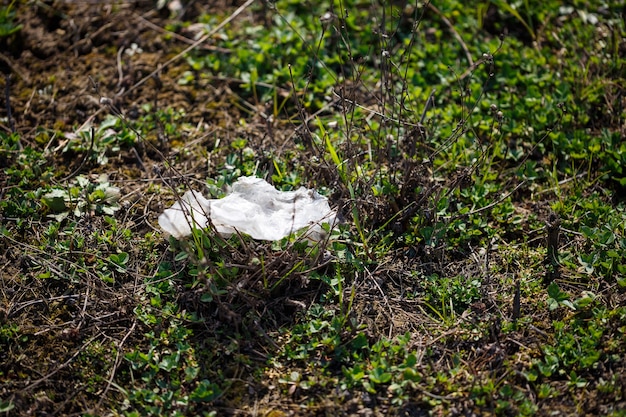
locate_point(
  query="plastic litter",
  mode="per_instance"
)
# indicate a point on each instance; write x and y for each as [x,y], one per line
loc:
[253,207]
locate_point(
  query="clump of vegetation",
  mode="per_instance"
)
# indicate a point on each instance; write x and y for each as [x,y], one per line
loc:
[474,158]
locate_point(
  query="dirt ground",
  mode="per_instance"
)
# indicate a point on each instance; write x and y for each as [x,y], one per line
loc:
[70,65]
[69,55]
[73,63]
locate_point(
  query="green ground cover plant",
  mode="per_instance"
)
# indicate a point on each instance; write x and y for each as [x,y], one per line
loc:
[474,153]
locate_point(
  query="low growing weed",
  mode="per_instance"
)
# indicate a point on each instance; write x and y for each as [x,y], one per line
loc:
[446,149]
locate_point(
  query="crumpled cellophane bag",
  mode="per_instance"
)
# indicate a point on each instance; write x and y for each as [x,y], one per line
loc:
[253,207]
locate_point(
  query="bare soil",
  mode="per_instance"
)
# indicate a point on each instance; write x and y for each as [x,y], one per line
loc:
[70,65]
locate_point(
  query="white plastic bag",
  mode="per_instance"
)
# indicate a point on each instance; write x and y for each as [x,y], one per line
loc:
[253,207]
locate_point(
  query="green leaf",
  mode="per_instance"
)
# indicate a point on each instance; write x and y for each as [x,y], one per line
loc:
[6,406]
[7,29]
[55,200]
[552,304]
[357,373]
[531,375]
[410,361]
[359,342]
[119,258]
[181,256]
[191,373]
[44,275]
[170,362]
[205,392]
[586,299]
[379,376]
[410,374]
[369,387]
[555,292]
